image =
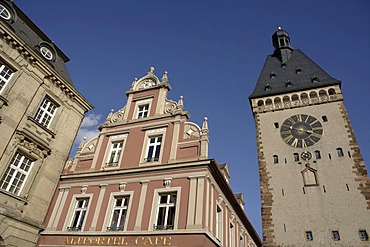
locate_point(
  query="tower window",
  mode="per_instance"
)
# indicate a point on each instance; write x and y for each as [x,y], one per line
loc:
[336,236]
[324,118]
[340,152]
[4,13]
[349,154]
[309,236]
[363,235]
[296,156]
[276,124]
[276,159]
[317,154]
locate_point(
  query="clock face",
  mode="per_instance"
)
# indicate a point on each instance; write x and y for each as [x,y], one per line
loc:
[301,131]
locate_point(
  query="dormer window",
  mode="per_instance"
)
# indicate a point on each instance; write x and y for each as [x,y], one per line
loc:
[298,71]
[288,84]
[143,111]
[272,75]
[283,65]
[5,13]
[47,53]
[267,87]
[314,79]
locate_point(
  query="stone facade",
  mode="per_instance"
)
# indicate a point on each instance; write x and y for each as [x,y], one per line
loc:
[314,184]
[146,180]
[40,114]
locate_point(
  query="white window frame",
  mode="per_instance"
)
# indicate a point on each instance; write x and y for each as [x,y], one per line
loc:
[143,111]
[219,223]
[6,74]
[110,148]
[156,206]
[71,211]
[232,234]
[82,214]
[110,208]
[150,134]
[46,53]
[141,103]
[122,213]
[114,153]
[153,150]
[46,112]
[17,173]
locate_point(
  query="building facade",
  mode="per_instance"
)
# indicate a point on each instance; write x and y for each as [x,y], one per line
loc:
[315,189]
[40,113]
[146,180]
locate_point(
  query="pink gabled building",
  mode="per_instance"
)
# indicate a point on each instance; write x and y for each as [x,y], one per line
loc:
[146,180]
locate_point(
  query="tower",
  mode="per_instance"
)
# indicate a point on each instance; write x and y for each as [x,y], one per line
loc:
[40,113]
[313,180]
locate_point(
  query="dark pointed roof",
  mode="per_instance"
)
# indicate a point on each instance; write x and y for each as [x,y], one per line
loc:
[289,70]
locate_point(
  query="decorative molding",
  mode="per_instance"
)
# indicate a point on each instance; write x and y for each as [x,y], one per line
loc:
[84,189]
[122,186]
[167,182]
[34,146]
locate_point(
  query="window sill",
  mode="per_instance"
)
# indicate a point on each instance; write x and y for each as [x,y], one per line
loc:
[18,198]
[3,101]
[41,126]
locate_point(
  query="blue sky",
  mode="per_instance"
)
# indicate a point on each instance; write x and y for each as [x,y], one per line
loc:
[213,52]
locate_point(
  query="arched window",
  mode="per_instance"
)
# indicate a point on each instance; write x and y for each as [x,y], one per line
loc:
[331,91]
[260,103]
[304,96]
[322,93]
[276,159]
[313,95]
[295,97]
[286,99]
[340,152]
[268,102]
[317,154]
[296,156]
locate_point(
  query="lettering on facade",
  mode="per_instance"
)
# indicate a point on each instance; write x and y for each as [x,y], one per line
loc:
[118,241]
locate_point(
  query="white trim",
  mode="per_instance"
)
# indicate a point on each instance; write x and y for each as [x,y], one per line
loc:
[6,74]
[46,112]
[109,211]
[149,135]
[71,210]
[110,148]
[155,206]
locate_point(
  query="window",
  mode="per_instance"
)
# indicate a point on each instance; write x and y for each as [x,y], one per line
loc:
[143,111]
[241,241]
[276,124]
[5,72]
[154,148]
[324,118]
[114,154]
[46,112]
[16,174]
[336,236]
[232,236]
[46,53]
[363,235]
[317,154]
[276,159]
[219,223]
[296,156]
[4,13]
[79,214]
[166,211]
[119,213]
[340,152]
[309,236]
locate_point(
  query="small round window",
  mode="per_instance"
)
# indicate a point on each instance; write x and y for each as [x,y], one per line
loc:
[46,53]
[4,12]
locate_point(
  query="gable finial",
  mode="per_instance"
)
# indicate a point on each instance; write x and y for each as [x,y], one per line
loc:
[180,104]
[165,77]
[151,70]
[279,27]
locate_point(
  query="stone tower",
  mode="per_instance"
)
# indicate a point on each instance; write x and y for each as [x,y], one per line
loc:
[40,113]
[315,189]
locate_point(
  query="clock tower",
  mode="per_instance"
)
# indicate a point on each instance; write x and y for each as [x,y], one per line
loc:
[315,189]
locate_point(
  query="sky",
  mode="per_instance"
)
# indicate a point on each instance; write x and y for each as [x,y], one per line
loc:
[213,52]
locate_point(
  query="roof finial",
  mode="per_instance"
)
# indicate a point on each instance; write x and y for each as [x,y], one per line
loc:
[165,77]
[151,70]
[278,27]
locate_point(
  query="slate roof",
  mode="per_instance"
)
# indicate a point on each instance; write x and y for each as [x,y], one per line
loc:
[25,29]
[298,73]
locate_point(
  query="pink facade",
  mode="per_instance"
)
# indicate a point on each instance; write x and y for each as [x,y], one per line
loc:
[146,180]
